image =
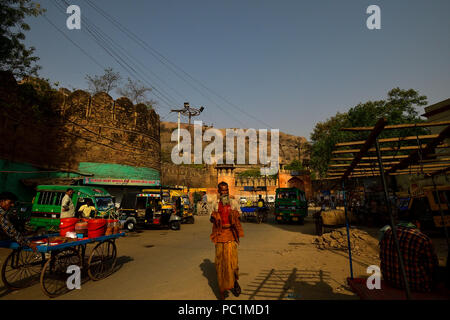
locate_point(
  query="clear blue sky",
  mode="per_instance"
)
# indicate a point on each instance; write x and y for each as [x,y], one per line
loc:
[290,64]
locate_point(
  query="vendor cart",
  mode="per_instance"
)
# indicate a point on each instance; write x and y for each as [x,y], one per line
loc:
[258,214]
[49,264]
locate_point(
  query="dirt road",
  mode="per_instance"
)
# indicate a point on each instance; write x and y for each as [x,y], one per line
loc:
[276,262]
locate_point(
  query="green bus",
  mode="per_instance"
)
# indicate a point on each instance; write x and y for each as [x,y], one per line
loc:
[46,206]
[290,205]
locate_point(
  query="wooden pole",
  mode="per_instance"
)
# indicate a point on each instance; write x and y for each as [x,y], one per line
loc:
[402,126]
[347,227]
[393,226]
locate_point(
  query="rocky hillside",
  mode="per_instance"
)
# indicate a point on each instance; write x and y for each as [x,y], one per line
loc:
[288,143]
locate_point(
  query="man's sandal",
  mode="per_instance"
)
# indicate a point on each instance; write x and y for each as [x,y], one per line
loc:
[236,290]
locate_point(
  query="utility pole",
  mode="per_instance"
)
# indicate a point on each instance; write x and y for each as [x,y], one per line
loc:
[266,167]
[189,112]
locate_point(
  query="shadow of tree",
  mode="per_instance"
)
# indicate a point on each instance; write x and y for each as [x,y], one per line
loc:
[209,272]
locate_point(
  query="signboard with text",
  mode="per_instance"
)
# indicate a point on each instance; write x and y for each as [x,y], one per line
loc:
[120,182]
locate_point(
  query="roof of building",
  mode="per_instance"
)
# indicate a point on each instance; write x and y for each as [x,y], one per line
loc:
[437,108]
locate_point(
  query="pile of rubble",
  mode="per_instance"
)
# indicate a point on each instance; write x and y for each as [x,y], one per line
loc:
[361,242]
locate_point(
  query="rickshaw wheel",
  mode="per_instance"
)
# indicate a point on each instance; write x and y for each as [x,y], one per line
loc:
[102,260]
[175,225]
[54,275]
[22,268]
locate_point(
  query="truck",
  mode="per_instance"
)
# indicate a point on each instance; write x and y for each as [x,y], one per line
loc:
[290,205]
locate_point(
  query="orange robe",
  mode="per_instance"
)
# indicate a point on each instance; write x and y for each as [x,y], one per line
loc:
[227,230]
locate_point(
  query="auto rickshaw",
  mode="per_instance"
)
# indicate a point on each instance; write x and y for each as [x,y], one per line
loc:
[149,209]
[180,203]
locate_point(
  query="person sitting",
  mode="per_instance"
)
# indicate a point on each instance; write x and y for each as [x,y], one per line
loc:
[8,231]
[419,257]
[87,210]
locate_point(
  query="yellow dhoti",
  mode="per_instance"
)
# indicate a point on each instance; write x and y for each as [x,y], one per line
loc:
[226,264]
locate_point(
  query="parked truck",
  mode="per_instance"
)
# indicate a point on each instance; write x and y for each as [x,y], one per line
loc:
[290,205]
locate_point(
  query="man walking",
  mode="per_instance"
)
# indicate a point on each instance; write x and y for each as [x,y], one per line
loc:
[225,234]
[67,207]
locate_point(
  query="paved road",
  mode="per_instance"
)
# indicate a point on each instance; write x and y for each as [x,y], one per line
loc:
[276,262]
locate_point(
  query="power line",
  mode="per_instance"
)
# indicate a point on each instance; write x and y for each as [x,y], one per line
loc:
[157,55]
[74,43]
[108,46]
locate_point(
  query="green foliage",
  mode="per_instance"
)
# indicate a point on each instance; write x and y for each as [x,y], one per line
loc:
[295,165]
[39,94]
[323,138]
[14,56]
[399,107]
[250,173]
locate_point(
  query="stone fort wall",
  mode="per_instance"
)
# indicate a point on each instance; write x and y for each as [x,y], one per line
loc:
[73,127]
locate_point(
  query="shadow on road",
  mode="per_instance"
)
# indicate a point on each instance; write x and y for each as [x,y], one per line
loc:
[292,284]
[307,228]
[121,261]
[209,272]
[4,291]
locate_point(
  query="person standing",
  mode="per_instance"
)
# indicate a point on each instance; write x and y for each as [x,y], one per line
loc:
[179,207]
[261,202]
[7,200]
[67,207]
[332,204]
[226,231]
[87,210]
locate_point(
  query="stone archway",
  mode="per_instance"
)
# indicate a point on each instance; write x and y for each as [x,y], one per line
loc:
[297,183]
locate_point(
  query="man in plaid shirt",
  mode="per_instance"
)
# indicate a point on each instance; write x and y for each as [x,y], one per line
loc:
[7,200]
[418,254]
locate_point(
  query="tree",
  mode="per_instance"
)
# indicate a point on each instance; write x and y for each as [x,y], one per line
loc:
[41,95]
[14,55]
[295,165]
[399,107]
[136,92]
[105,82]
[323,138]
